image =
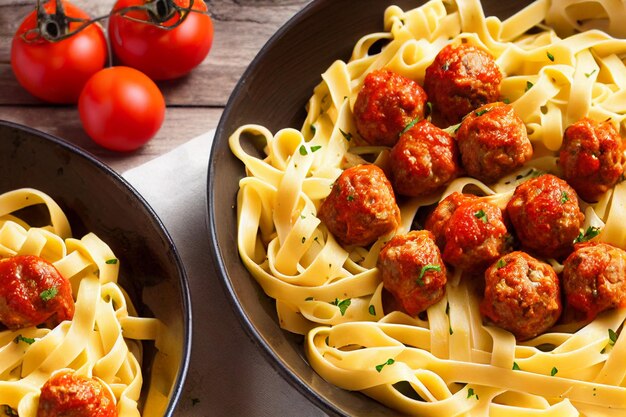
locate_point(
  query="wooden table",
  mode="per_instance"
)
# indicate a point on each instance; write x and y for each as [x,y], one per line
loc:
[194,103]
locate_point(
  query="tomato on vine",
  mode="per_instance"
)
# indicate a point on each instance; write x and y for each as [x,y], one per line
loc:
[164,39]
[121,108]
[54,52]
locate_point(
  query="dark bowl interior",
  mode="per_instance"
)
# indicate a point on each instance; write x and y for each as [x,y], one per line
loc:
[98,200]
[273,92]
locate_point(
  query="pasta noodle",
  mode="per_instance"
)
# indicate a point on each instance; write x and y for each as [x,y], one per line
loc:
[447,363]
[104,337]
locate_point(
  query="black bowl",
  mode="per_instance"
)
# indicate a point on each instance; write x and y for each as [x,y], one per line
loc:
[273,92]
[98,200]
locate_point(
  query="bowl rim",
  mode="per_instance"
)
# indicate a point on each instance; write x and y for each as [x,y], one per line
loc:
[183,279]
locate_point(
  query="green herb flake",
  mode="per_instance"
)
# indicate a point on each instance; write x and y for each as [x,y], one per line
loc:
[564,197]
[111,261]
[506,100]
[450,130]
[49,294]
[612,337]
[21,338]
[550,56]
[426,268]
[303,150]
[479,113]
[316,148]
[529,85]
[471,393]
[410,125]
[380,367]
[346,135]
[429,107]
[589,74]
[350,198]
[553,371]
[516,366]
[501,263]
[343,305]
[10,411]
[313,129]
[481,215]
[589,234]
[372,310]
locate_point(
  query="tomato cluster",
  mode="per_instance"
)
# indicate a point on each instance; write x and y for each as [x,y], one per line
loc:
[59,54]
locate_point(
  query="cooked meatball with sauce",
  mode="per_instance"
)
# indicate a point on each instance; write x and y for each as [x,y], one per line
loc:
[522,295]
[474,234]
[493,142]
[33,292]
[424,160]
[67,394]
[386,104]
[594,278]
[412,271]
[437,221]
[459,80]
[361,206]
[591,157]
[546,216]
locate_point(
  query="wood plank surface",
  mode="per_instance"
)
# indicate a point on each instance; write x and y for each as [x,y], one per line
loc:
[195,102]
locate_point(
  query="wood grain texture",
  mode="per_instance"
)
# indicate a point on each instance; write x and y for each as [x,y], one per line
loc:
[195,102]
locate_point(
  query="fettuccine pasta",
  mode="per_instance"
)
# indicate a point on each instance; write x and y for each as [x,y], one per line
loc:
[447,362]
[104,338]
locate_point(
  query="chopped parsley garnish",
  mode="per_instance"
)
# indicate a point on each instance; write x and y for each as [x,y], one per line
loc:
[316,148]
[343,305]
[313,129]
[612,337]
[481,215]
[303,150]
[346,135]
[410,125]
[564,197]
[471,393]
[506,100]
[553,371]
[429,107]
[372,310]
[589,74]
[21,338]
[426,268]
[380,367]
[49,294]
[501,263]
[479,113]
[516,366]
[111,261]
[550,56]
[350,198]
[529,85]
[589,234]
[450,130]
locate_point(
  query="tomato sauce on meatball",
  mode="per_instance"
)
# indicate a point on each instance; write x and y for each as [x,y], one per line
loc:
[33,292]
[493,142]
[424,160]
[385,105]
[437,221]
[594,278]
[546,216]
[67,394]
[412,271]
[361,206]
[522,295]
[591,157]
[461,79]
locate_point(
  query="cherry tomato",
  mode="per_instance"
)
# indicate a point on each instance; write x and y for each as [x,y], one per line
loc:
[121,108]
[56,71]
[158,52]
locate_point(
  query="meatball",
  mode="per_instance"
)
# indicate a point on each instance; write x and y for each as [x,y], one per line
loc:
[33,292]
[461,79]
[594,278]
[591,157]
[545,214]
[412,271]
[493,142]
[385,105]
[437,221]
[361,206]
[67,394]
[522,295]
[424,159]
[475,236]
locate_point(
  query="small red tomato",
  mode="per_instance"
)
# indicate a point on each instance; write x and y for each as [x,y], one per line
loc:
[56,71]
[121,108]
[160,53]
